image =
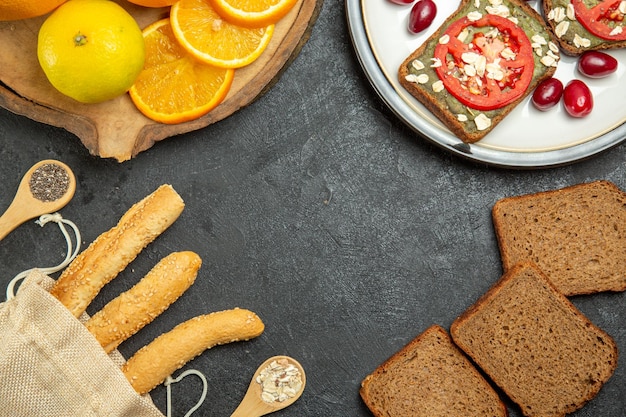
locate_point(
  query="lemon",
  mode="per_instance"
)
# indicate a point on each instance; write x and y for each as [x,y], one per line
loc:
[91,50]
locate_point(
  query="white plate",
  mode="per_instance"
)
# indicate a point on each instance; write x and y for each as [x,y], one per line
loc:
[526,138]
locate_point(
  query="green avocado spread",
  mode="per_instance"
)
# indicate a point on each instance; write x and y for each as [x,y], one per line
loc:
[569,30]
[545,56]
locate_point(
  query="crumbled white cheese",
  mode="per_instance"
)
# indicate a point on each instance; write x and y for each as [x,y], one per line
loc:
[539,40]
[499,10]
[581,42]
[476,63]
[474,16]
[548,61]
[417,64]
[412,78]
[508,54]
[616,31]
[482,122]
[535,45]
[561,28]
[493,33]
[470,57]
[469,70]
[494,70]
[463,35]
[422,78]
[436,62]
[570,12]
[461,117]
[553,47]
[553,54]
[444,39]
[557,14]
[438,86]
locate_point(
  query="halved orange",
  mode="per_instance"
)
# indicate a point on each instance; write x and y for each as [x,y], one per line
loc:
[174,87]
[252,13]
[208,37]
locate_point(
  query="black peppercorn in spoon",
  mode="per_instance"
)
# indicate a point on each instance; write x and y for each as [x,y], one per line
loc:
[45,188]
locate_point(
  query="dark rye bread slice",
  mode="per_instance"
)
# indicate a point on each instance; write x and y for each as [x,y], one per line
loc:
[430,377]
[574,38]
[535,345]
[576,235]
[471,125]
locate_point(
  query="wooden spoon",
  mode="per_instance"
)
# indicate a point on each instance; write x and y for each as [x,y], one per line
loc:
[45,188]
[253,404]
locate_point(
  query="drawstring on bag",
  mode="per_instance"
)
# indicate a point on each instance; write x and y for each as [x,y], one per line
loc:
[71,250]
[169,381]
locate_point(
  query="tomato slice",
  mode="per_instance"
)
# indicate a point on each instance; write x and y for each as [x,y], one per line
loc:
[605,20]
[504,57]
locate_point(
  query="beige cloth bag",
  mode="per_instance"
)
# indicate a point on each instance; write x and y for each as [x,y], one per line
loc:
[50,365]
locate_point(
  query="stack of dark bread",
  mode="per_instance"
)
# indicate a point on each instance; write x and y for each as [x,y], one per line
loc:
[524,334]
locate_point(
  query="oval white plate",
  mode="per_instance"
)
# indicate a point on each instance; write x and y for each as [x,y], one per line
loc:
[526,138]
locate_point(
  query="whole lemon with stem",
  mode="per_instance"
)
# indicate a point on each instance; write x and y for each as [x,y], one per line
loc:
[91,50]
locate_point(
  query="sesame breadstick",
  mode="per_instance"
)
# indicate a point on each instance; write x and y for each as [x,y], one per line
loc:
[113,250]
[153,363]
[132,310]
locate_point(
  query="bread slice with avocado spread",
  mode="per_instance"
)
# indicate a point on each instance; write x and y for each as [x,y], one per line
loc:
[581,25]
[480,63]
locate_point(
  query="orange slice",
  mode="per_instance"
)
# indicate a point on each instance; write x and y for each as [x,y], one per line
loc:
[252,13]
[173,86]
[208,37]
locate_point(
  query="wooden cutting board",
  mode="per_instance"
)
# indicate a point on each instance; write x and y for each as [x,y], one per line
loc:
[116,129]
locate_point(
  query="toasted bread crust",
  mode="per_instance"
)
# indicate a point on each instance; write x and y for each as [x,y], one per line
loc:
[535,345]
[130,311]
[572,234]
[566,41]
[418,381]
[437,102]
[151,364]
[114,249]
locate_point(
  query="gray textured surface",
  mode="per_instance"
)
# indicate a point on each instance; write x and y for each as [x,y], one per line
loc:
[316,208]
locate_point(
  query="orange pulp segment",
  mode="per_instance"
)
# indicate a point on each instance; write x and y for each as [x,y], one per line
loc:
[252,13]
[173,86]
[203,32]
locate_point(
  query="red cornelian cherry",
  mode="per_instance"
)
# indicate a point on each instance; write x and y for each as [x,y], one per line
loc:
[547,94]
[577,99]
[402,2]
[596,64]
[422,15]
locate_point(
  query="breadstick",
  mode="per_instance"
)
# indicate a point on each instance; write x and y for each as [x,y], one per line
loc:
[132,310]
[150,365]
[113,250]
